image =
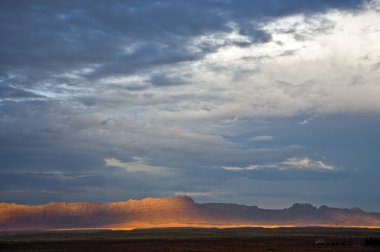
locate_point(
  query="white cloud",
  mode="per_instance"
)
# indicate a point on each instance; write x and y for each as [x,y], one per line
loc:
[305,163]
[307,68]
[137,165]
[289,164]
[246,168]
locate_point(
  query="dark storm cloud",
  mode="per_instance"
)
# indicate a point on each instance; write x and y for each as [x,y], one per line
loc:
[42,38]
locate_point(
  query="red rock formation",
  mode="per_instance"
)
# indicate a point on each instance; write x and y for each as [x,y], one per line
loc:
[179,211]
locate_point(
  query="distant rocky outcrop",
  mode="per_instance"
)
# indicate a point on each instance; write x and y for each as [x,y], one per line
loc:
[180,211]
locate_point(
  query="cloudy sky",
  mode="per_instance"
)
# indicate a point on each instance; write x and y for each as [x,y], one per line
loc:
[255,102]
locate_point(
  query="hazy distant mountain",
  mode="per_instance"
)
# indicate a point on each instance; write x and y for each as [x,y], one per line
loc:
[179,211]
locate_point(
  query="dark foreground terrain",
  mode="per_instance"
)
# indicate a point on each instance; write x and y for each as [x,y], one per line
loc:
[196,239]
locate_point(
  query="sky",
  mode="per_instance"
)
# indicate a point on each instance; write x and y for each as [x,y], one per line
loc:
[254,102]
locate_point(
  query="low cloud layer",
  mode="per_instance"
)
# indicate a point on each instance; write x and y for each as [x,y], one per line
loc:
[137,165]
[291,163]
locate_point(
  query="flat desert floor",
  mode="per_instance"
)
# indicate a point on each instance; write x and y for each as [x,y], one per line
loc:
[194,240]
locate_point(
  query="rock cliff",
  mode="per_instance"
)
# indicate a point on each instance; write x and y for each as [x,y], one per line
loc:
[180,211]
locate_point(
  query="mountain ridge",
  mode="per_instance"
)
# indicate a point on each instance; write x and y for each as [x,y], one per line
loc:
[178,211]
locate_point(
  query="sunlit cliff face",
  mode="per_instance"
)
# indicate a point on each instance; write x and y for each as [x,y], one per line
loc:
[180,211]
[149,212]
